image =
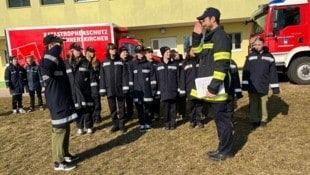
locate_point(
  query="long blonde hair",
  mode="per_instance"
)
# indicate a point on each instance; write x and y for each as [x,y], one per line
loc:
[92,60]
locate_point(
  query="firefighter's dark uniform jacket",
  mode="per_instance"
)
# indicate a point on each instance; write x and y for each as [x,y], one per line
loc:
[214,55]
[57,88]
[168,80]
[78,71]
[235,87]
[259,72]
[34,78]
[15,79]
[188,74]
[94,76]
[113,78]
[142,80]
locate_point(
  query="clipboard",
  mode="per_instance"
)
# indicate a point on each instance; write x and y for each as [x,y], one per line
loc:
[202,86]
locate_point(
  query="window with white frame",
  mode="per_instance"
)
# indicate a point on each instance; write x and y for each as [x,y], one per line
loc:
[18,3]
[235,40]
[160,42]
[47,2]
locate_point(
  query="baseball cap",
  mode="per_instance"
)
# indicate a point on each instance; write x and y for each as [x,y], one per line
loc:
[90,49]
[51,38]
[75,46]
[139,49]
[209,12]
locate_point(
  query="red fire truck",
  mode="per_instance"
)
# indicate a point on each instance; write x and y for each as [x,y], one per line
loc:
[285,27]
[22,42]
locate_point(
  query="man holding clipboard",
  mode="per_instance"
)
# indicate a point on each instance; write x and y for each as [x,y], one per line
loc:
[214,54]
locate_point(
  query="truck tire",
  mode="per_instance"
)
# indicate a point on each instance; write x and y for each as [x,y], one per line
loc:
[299,70]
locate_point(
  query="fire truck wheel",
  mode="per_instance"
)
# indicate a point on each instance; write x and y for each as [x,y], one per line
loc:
[299,70]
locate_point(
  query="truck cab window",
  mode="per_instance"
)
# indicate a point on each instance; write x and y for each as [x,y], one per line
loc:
[288,17]
[130,47]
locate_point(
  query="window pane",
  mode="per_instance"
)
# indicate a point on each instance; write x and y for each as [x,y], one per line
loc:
[155,44]
[237,41]
[18,3]
[45,2]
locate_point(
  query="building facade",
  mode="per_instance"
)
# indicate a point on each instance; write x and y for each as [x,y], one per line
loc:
[154,22]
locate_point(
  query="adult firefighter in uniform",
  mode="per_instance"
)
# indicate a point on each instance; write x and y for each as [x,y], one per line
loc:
[214,55]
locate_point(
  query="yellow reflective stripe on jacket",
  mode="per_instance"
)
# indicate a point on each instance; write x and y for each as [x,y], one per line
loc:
[219,75]
[197,49]
[221,56]
[217,98]
[207,46]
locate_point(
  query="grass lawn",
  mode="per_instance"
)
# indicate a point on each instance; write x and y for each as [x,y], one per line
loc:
[281,148]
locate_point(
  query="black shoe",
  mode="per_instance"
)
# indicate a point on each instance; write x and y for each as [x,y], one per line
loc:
[70,158]
[114,129]
[219,157]
[172,127]
[263,124]
[255,124]
[212,153]
[200,125]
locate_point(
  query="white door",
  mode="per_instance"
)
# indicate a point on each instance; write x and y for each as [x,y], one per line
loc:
[160,42]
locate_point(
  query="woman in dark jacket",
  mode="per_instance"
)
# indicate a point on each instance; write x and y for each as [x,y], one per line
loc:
[114,85]
[15,79]
[94,74]
[78,70]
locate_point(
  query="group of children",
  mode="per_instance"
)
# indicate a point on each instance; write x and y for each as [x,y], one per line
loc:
[141,80]
[18,79]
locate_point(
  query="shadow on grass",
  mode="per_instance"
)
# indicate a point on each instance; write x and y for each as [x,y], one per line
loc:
[121,140]
[242,126]
[5,113]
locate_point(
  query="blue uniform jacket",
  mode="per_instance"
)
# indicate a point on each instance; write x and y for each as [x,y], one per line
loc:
[15,79]
[57,88]
[167,80]
[260,73]
[34,78]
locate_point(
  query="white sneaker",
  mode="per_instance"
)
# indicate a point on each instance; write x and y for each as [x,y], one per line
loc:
[14,111]
[64,166]
[21,110]
[89,131]
[41,108]
[147,127]
[80,132]
[142,128]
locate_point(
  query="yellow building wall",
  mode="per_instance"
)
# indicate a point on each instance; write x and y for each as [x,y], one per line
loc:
[142,17]
[180,32]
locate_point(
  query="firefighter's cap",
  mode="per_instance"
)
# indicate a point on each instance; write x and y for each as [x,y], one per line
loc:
[139,49]
[90,49]
[209,12]
[75,46]
[51,38]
